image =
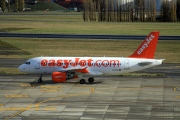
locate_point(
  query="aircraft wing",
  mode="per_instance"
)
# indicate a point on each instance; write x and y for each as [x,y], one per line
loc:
[80,70]
[92,72]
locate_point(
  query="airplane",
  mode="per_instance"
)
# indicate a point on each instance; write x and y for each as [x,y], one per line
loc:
[65,68]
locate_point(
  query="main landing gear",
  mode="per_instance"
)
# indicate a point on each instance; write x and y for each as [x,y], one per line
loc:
[83,81]
[91,80]
[40,79]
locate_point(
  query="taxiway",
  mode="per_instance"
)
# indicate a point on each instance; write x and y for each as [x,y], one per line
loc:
[109,98]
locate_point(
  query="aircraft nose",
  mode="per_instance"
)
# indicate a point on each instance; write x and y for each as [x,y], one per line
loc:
[21,68]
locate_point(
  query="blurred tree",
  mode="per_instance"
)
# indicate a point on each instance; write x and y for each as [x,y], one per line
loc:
[168,11]
[153,11]
[20,5]
[107,10]
[173,11]
[3,5]
[16,5]
[127,10]
[178,10]
[9,6]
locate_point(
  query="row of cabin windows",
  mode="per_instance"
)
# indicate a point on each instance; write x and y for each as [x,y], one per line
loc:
[99,64]
[91,63]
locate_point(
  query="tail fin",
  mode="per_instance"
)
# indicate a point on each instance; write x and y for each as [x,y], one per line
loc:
[147,47]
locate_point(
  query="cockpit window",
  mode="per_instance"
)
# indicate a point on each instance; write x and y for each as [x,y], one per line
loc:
[28,63]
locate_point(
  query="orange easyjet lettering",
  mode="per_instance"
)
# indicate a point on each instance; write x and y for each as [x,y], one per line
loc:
[59,63]
[44,62]
[114,62]
[89,62]
[98,63]
[105,63]
[51,63]
[74,64]
[66,63]
[82,63]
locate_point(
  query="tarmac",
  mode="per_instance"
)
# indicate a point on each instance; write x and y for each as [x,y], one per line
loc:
[108,98]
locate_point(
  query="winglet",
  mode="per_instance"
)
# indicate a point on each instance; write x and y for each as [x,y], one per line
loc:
[147,47]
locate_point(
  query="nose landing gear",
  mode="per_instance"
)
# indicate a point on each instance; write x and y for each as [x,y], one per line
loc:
[40,79]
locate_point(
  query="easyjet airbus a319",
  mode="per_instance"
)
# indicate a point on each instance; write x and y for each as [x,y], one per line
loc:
[65,68]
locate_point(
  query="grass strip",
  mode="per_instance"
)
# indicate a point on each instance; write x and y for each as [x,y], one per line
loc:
[34,47]
[72,23]
[10,71]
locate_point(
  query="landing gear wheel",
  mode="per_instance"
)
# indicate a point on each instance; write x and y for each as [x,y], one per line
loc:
[91,80]
[40,81]
[82,81]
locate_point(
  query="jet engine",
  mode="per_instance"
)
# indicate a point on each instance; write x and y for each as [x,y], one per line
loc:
[63,76]
[58,76]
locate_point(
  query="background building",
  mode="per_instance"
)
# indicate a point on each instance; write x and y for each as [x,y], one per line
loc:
[74,5]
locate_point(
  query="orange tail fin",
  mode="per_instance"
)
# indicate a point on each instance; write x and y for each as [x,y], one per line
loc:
[147,47]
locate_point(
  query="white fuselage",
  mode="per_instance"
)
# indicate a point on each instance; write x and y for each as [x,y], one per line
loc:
[94,65]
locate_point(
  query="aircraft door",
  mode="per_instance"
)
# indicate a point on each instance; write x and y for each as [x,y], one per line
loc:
[126,64]
[37,65]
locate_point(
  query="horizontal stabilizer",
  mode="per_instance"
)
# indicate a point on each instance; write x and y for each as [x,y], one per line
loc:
[144,63]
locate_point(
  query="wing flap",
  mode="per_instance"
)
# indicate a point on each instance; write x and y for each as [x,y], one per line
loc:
[95,73]
[71,69]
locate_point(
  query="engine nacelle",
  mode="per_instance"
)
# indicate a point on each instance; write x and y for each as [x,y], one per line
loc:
[58,76]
